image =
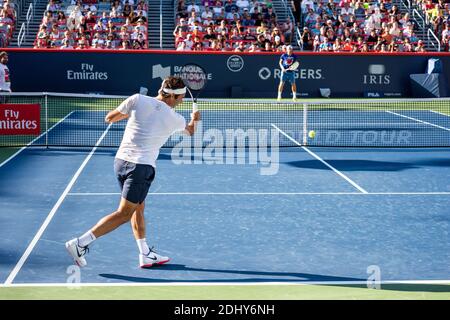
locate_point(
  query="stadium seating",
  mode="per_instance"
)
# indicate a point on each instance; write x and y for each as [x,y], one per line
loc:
[8,16]
[94,24]
[231,25]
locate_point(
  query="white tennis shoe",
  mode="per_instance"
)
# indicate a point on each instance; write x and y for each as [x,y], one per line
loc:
[152,258]
[77,252]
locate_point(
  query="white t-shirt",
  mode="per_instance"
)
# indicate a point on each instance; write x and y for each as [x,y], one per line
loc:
[151,122]
[5,82]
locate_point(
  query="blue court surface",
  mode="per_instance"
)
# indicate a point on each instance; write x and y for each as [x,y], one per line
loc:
[323,215]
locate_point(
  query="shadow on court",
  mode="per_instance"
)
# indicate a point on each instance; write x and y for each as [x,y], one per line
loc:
[268,276]
[370,165]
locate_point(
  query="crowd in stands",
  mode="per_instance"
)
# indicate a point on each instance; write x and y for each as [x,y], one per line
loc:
[357,26]
[8,16]
[437,14]
[364,26]
[240,26]
[92,24]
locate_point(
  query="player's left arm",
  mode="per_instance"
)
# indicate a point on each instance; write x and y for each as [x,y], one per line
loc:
[114,116]
[123,110]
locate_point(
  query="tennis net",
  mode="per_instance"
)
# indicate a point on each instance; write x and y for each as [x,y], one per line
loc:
[72,120]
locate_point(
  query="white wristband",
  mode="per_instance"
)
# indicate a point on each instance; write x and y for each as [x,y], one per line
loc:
[194,107]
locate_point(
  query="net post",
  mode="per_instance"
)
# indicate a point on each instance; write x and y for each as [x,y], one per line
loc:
[305,124]
[46,119]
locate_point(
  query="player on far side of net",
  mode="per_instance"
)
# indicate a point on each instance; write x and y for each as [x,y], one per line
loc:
[151,121]
[288,64]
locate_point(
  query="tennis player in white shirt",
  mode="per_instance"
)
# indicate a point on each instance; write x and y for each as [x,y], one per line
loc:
[151,121]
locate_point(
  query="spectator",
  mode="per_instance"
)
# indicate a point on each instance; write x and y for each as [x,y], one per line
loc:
[278,43]
[406,46]
[347,45]
[207,13]
[276,32]
[231,15]
[242,4]
[247,20]
[337,45]
[267,47]
[140,42]
[217,9]
[193,6]
[181,26]
[420,46]
[240,47]
[182,10]
[127,10]
[210,35]
[249,36]
[325,46]
[61,19]
[194,17]
[188,41]
[307,39]
[66,44]
[230,6]
[445,37]
[182,47]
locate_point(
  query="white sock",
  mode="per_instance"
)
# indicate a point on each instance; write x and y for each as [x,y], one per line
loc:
[86,239]
[294,95]
[279,95]
[143,246]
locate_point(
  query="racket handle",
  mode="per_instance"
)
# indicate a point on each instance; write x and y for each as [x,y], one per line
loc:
[194,107]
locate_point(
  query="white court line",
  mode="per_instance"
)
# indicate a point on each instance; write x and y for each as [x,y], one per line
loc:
[354,184]
[41,230]
[417,120]
[231,283]
[23,148]
[82,194]
[442,114]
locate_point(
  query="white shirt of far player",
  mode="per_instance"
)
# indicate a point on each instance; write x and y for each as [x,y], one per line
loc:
[5,83]
[150,124]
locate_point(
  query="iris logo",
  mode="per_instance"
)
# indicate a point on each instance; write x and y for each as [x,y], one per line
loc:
[377,75]
[235,63]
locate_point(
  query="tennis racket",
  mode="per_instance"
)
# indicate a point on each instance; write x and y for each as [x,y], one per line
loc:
[294,66]
[195,79]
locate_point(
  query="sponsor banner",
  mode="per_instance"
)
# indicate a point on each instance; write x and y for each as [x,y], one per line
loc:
[255,75]
[20,119]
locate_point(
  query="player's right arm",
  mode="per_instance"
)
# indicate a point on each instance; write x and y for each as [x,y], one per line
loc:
[192,125]
[281,65]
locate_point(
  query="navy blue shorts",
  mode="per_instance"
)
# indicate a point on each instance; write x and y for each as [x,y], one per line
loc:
[288,76]
[134,179]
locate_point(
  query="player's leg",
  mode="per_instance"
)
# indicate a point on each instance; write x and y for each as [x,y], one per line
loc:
[134,180]
[147,257]
[114,220]
[294,90]
[138,223]
[280,89]
[78,247]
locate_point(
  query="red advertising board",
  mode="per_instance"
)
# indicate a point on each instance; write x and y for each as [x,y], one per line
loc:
[20,119]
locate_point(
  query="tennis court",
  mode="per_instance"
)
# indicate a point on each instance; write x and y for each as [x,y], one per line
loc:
[261,211]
